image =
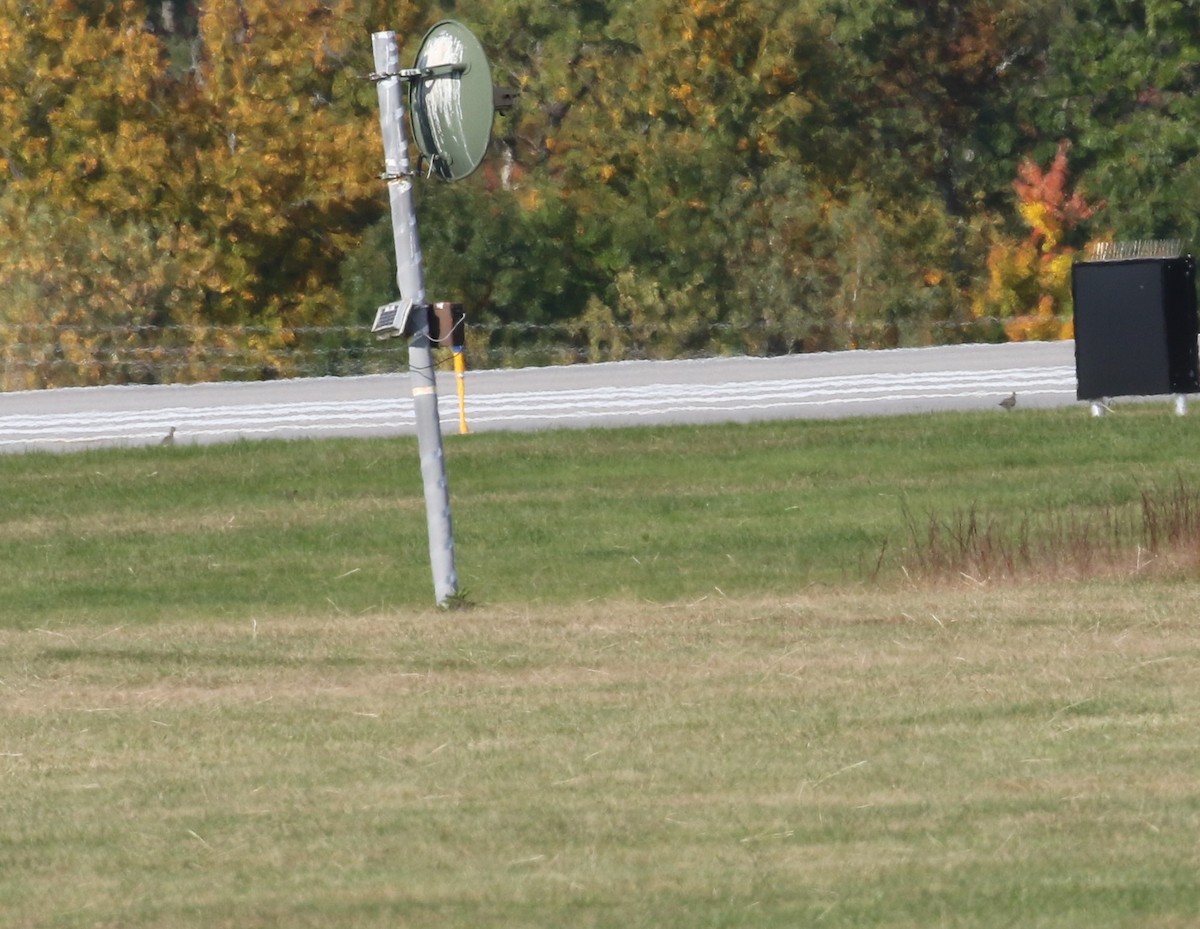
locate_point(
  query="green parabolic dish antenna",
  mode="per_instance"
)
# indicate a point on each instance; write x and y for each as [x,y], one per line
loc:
[451,100]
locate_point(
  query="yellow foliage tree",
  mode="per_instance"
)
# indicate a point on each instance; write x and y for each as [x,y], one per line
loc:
[87,273]
[171,192]
[281,167]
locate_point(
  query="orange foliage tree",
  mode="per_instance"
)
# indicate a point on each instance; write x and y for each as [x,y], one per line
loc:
[1029,280]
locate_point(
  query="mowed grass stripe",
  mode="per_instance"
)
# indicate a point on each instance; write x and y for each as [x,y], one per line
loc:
[659,514]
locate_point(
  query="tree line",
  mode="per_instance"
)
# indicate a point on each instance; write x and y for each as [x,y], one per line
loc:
[187,181]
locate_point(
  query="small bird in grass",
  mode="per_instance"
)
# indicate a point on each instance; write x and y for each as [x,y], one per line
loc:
[169,438]
[1010,401]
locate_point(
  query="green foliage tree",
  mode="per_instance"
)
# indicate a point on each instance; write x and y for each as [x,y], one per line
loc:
[731,176]
[930,89]
[818,270]
[1121,82]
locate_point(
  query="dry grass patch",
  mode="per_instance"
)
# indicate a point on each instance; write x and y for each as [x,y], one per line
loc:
[1158,535]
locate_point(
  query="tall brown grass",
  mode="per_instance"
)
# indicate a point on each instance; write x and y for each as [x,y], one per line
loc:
[1158,531]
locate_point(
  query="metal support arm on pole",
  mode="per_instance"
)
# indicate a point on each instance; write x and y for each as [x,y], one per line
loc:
[410,277]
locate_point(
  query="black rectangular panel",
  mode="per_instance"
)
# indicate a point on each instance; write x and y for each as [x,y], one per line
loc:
[1135,327]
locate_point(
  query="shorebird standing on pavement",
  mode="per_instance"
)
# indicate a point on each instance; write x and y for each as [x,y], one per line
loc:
[1010,401]
[169,438]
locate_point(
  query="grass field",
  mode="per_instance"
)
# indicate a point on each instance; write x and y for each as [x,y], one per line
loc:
[702,683]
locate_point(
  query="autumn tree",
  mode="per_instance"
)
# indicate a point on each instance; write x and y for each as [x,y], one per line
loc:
[1029,280]
[87,162]
[209,176]
[188,187]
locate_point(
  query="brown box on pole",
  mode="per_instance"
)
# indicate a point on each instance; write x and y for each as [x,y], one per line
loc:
[447,325]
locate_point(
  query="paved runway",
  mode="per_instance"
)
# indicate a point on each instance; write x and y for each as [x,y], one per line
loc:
[890,382]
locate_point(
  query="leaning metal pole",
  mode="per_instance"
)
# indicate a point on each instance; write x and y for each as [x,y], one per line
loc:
[410,276]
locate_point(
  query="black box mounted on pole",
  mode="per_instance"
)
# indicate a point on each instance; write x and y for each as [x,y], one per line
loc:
[1135,325]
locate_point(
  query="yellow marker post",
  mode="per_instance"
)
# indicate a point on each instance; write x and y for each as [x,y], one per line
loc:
[460,371]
